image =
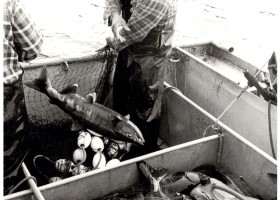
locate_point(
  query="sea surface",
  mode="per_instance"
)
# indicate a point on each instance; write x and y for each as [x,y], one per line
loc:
[73,28]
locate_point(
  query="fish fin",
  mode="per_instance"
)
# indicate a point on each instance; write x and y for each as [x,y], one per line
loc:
[118,118]
[76,126]
[94,96]
[127,116]
[71,89]
[42,83]
[90,98]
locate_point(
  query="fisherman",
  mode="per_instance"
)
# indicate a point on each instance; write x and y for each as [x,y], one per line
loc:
[143,33]
[22,42]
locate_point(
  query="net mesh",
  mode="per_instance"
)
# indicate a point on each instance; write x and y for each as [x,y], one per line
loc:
[90,75]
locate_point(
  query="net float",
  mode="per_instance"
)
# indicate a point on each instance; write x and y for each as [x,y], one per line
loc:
[97,144]
[79,156]
[84,139]
[99,160]
[112,163]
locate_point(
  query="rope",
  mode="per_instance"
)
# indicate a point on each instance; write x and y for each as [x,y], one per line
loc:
[270,131]
[99,161]
[21,182]
[34,163]
[261,68]
[228,107]
[237,97]
[205,131]
[215,128]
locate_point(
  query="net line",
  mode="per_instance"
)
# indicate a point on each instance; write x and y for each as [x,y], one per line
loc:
[91,76]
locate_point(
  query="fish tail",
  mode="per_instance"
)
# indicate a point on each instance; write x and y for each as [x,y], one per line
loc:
[42,83]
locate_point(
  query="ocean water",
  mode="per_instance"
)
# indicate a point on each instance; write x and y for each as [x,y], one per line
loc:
[72,27]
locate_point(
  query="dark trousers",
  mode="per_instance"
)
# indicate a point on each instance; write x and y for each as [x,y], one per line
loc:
[15,116]
[121,84]
[129,97]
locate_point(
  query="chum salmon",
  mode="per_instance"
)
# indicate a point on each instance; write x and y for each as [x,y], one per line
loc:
[86,113]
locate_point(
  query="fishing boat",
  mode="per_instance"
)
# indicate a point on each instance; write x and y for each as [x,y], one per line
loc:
[226,149]
[213,77]
[209,75]
[187,136]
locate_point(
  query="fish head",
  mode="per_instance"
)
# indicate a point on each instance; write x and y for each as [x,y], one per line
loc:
[128,131]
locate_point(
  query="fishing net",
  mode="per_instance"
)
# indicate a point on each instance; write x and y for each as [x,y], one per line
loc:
[91,74]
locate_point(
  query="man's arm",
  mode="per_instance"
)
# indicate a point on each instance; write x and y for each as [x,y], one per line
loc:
[113,13]
[28,39]
[146,15]
[111,7]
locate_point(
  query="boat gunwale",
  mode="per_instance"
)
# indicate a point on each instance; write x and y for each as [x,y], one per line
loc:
[186,53]
[53,61]
[226,55]
[121,164]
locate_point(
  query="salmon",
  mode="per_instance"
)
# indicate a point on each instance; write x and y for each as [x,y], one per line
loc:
[86,113]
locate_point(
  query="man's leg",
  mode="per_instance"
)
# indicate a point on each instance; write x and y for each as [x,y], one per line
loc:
[15,117]
[121,84]
[141,104]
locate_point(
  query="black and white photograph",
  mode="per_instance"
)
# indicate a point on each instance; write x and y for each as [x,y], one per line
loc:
[140,99]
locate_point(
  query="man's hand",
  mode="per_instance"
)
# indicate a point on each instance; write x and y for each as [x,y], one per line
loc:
[110,41]
[155,114]
[117,24]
